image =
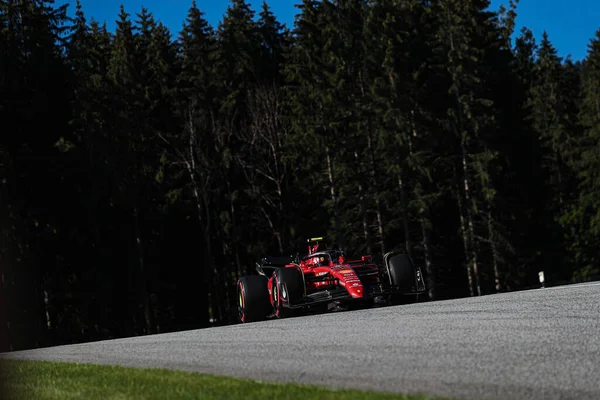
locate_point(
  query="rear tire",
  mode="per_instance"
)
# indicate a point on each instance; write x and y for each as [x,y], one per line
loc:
[288,289]
[253,298]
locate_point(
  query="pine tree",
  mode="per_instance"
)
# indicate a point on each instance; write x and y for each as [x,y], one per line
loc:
[355,70]
[466,29]
[274,40]
[128,132]
[193,148]
[304,81]
[89,52]
[34,110]
[324,73]
[523,189]
[507,20]
[584,216]
[547,104]
[264,144]
[524,49]
[236,61]
[400,90]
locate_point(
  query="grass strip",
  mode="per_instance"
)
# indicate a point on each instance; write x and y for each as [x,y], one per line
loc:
[43,380]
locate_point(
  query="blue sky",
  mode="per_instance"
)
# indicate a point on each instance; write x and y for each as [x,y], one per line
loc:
[570,24]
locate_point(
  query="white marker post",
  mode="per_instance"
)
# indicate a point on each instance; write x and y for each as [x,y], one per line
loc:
[541,275]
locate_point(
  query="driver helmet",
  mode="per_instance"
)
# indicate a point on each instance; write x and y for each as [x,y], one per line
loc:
[321,260]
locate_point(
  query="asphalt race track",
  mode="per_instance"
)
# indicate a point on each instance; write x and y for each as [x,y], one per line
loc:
[536,344]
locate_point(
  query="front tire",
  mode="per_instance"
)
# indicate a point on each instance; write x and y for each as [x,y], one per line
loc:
[401,270]
[253,298]
[288,289]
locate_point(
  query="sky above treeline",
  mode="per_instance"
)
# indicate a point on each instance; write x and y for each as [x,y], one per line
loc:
[570,24]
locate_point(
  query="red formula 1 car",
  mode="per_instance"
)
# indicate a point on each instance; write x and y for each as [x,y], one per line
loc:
[287,286]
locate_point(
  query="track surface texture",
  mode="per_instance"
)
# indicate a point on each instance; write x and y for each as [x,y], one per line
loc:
[536,344]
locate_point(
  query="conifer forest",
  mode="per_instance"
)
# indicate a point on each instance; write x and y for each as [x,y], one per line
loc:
[142,171]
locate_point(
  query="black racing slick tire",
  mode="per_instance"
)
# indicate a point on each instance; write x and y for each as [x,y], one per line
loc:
[253,298]
[288,289]
[402,271]
[402,275]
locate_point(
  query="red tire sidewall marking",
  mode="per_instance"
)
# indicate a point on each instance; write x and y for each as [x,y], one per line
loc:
[278,299]
[243,318]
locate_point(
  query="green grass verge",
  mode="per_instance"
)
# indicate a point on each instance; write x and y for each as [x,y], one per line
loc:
[41,380]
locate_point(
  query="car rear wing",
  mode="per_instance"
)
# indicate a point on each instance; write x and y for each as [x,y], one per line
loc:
[274,262]
[277,261]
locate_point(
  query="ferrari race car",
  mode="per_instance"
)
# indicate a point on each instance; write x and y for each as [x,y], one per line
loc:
[286,286]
